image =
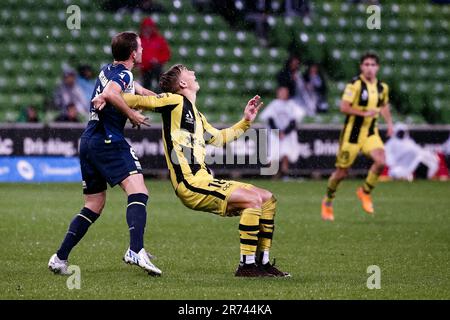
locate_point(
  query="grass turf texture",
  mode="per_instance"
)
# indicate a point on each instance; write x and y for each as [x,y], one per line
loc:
[198,252]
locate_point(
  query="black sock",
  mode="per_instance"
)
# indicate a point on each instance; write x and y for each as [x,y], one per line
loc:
[136,219]
[77,229]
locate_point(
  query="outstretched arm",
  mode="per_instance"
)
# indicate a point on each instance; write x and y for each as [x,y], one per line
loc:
[151,103]
[220,137]
[112,94]
[139,89]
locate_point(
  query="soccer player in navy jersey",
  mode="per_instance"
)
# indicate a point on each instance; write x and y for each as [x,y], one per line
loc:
[106,157]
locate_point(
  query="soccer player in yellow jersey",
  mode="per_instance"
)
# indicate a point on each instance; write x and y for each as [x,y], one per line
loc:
[186,133]
[364,98]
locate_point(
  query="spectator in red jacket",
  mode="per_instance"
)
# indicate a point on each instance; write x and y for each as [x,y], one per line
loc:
[155,54]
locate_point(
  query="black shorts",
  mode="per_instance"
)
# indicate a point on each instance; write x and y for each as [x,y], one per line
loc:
[103,163]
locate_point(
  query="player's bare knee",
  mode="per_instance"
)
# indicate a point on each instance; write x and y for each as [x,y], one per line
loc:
[266,195]
[95,207]
[95,203]
[254,201]
[380,163]
[341,174]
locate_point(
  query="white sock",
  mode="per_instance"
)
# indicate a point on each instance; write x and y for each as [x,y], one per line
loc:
[248,258]
[265,257]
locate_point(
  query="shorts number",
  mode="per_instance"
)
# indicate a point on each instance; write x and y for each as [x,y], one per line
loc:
[217,183]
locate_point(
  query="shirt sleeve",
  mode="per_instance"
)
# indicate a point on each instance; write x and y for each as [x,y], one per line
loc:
[218,137]
[153,103]
[123,79]
[350,92]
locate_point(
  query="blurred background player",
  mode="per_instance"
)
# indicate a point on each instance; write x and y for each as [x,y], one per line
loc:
[106,157]
[284,115]
[185,134]
[363,99]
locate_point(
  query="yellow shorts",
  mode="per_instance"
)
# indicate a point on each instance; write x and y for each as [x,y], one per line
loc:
[349,151]
[208,194]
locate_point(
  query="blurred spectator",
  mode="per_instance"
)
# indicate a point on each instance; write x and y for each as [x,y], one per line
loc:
[406,159]
[283,114]
[69,92]
[71,114]
[291,78]
[146,6]
[297,8]
[86,82]
[316,87]
[29,114]
[286,77]
[156,53]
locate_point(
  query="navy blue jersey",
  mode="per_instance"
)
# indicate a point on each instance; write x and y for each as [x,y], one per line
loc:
[108,124]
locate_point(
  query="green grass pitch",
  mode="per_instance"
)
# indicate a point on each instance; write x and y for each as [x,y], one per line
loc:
[409,239]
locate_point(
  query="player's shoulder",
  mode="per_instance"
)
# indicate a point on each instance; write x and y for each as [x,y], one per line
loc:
[125,74]
[383,84]
[172,97]
[355,80]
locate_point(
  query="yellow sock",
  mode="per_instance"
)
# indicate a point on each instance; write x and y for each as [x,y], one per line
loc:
[371,181]
[267,225]
[248,230]
[331,188]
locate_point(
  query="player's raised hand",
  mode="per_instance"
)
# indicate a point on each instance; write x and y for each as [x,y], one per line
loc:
[137,119]
[252,108]
[99,102]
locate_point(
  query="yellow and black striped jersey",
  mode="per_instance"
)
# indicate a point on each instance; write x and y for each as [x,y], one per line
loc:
[363,95]
[185,133]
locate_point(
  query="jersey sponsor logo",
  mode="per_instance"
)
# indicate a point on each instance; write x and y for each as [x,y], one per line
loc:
[364,95]
[189,117]
[93,116]
[103,79]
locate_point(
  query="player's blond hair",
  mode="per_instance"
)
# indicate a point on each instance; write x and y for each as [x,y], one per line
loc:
[169,80]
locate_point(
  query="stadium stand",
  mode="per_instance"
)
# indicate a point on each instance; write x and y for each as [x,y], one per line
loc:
[413,43]
[229,64]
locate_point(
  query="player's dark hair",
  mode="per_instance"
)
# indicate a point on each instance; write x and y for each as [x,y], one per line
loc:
[123,44]
[369,55]
[168,82]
